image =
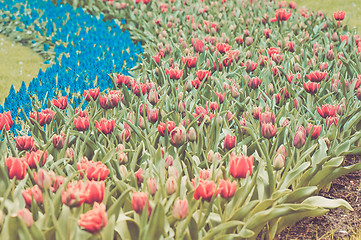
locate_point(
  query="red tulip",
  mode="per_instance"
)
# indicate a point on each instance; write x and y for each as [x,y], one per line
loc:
[59,140]
[139,199]
[226,188]
[44,117]
[152,186]
[174,73]
[190,61]
[35,157]
[281,15]
[180,209]
[153,115]
[61,102]
[161,127]
[327,110]
[198,45]
[267,117]
[109,101]
[91,93]
[171,185]
[240,165]
[205,190]
[299,139]
[315,132]
[330,121]
[316,76]
[32,193]
[73,195]
[43,178]
[229,142]
[254,82]
[292,5]
[6,121]
[268,130]
[282,150]
[122,79]
[105,126]
[139,176]
[24,143]
[203,75]
[17,167]
[311,87]
[153,97]
[140,88]
[257,112]
[94,220]
[223,47]
[93,170]
[94,191]
[82,123]
[339,15]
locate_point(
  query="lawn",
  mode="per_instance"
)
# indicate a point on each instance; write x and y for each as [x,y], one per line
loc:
[351,7]
[19,63]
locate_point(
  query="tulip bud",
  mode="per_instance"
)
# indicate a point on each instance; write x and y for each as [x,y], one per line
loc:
[70,154]
[178,136]
[192,134]
[25,215]
[141,122]
[189,86]
[299,139]
[172,172]
[229,142]
[334,37]
[282,151]
[169,161]
[152,185]
[153,97]
[278,162]
[249,41]
[139,176]
[43,179]
[270,88]
[59,140]
[123,170]
[341,109]
[234,92]
[180,209]
[182,107]
[295,103]
[210,156]
[330,55]
[171,185]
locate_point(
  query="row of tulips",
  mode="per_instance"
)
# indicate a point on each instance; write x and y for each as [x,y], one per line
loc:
[219,132]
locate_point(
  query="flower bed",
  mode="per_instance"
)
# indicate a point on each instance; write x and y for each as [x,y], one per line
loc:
[239,113]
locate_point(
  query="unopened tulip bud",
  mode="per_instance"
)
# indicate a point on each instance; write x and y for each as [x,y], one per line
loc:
[278,162]
[330,55]
[180,96]
[282,150]
[168,161]
[182,107]
[234,92]
[189,86]
[153,97]
[249,41]
[172,172]
[334,37]
[192,134]
[219,120]
[210,156]
[25,215]
[299,139]
[180,209]
[59,140]
[178,136]
[270,88]
[43,179]
[341,109]
[171,185]
[123,170]
[152,185]
[141,122]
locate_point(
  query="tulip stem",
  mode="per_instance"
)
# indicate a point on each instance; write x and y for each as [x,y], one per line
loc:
[200,215]
[270,171]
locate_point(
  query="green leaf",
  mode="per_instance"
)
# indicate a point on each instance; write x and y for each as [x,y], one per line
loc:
[221,228]
[323,202]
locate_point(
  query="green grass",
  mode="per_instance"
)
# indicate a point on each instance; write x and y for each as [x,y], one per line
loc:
[18,63]
[351,7]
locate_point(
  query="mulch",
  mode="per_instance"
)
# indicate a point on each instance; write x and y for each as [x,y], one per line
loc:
[337,223]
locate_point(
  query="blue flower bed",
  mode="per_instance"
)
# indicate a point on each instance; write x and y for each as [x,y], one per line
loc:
[86,48]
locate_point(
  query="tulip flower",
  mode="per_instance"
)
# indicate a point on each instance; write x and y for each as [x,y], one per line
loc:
[226,188]
[315,132]
[282,150]
[139,199]
[223,47]
[241,165]
[180,209]
[82,123]
[327,110]
[192,134]
[205,174]
[35,157]
[162,127]
[94,191]
[6,121]
[229,142]
[268,130]
[59,141]
[122,79]
[311,87]
[105,126]
[279,162]
[254,82]
[169,161]
[91,93]
[139,88]
[32,193]
[205,190]
[153,97]
[316,76]
[73,195]
[198,45]
[17,167]
[93,170]
[203,75]
[339,15]
[61,102]
[26,216]
[330,121]
[44,117]
[109,101]
[299,139]
[152,186]
[267,117]
[190,61]
[94,220]
[174,73]
[153,115]
[43,178]
[139,176]
[171,185]
[178,136]
[24,143]
[281,15]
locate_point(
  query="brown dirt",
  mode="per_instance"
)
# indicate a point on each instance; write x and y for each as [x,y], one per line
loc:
[337,223]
